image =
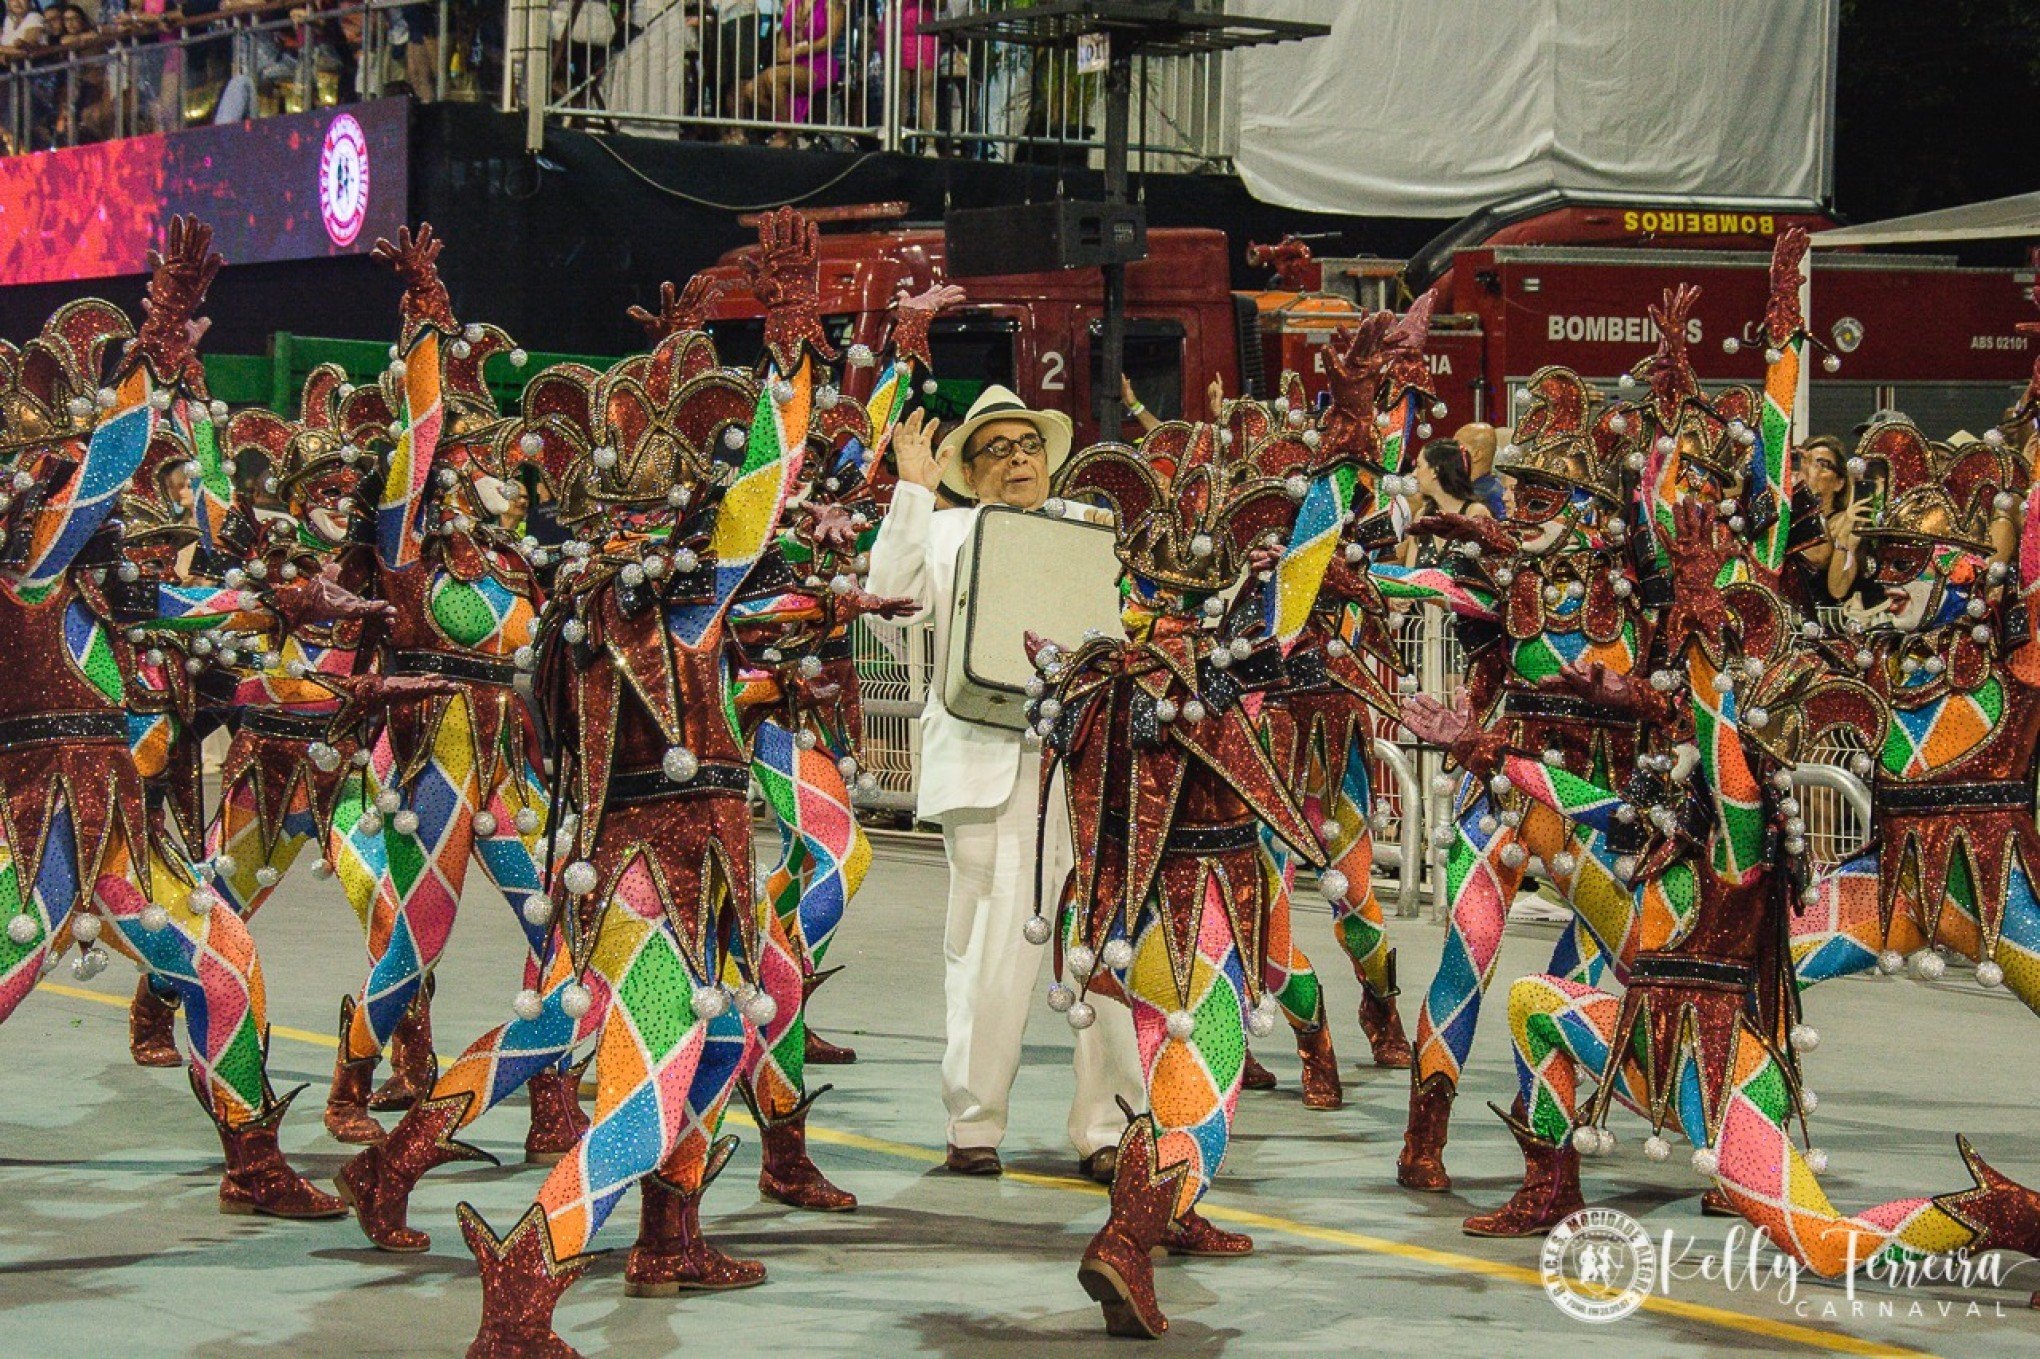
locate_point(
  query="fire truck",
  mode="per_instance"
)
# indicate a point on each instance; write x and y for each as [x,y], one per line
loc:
[1552,282]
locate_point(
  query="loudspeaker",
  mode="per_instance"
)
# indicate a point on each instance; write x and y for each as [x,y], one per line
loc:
[1028,238]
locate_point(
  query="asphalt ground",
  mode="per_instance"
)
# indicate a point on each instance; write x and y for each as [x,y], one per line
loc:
[111,1242]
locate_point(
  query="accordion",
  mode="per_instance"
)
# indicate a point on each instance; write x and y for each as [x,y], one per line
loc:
[1020,572]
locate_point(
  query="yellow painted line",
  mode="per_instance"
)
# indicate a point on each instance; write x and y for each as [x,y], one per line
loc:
[1833,1342]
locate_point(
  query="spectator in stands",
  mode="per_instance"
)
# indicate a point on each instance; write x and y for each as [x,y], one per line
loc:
[803,69]
[1479,440]
[918,60]
[1827,541]
[23,31]
[86,113]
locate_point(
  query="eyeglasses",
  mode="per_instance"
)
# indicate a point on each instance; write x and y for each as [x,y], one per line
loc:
[1033,445]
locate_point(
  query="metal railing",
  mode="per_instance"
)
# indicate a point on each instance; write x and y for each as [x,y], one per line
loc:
[143,75]
[843,73]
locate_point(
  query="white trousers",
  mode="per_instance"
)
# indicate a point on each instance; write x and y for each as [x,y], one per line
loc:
[992,975]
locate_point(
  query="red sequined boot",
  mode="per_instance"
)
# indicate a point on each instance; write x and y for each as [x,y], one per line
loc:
[1422,1163]
[258,1180]
[1382,1024]
[377,1184]
[670,1253]
[557,1122]
[787,1175]
[414,1067]
[522,1280]
[347,1103]
[1118,1272]
[152,1029]
[1550,1192]
[820,1051]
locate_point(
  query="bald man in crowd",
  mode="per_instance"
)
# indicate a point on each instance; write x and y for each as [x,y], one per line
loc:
[1479,441]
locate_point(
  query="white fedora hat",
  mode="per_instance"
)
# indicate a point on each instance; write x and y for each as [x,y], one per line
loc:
[996,403]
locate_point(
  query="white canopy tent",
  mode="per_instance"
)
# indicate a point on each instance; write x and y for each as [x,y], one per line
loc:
[1437,108]
[2014,218]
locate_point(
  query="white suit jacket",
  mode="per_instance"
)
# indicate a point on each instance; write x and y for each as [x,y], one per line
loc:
[964,765]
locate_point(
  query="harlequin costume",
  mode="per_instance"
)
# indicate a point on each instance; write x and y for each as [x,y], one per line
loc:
[798,706]
[456,778]
[1702,1039]
[1954,853]
[1337,647]
[672,472]
[1167,783]
[82,864]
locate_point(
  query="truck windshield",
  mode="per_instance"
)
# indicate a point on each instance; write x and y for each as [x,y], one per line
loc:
[970,353]
[740,342]
[1153,363]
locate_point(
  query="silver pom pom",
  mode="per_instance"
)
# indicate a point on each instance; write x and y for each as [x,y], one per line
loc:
[1080,960]
[406,822]
[1036,930]
[1061,998]
[1989,974]
[1816,1160]
[680,764]
[527,1005]
[710,1002]
[1706,1162]
[1081,1015]
[1181,1024]
[1117,954]
[537,912]
[576,1000]
[1656,1148]
[580,877]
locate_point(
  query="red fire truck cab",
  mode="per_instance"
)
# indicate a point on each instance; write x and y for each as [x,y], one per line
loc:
[1910,332]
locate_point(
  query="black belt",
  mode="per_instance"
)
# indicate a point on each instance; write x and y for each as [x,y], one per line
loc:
[836,649]
[295,726]
[1934,797]
[1570,707]
[1194,839]
[650,785]
[470,669]
[47,728]
[1670,968]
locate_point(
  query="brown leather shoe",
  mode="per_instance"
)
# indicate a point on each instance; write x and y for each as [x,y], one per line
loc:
[973,1160]
[152,1029]
[1254,1076]
[1118,1272]
[1321,1086]
[670,1254]
[787,1174]
[414,1067]
[1550,1192]
[1422,1165]
[1192,1235]
[1100,1165]
[347,1103]
[522,1280]
[557,1122]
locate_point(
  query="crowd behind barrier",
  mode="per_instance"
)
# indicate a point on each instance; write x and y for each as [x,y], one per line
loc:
[843,74]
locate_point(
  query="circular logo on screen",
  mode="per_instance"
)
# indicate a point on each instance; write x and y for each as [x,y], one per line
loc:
[343,180]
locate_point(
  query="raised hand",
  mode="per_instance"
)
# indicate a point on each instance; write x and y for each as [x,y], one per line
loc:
[1699,550]
[179,275]
[912,316]
[786,278]
[372,693]
[679,310]
[1671,368]
[1490,533]
[831,528]
[1623,693]
[858,602]
[1453,729]
[1782,317]
[1354,364]
[913,446]
[319,599]
[415,260]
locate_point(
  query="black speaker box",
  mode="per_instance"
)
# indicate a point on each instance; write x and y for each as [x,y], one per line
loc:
[1028,238]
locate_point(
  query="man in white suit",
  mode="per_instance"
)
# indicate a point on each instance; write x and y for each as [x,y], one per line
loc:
[981,785]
